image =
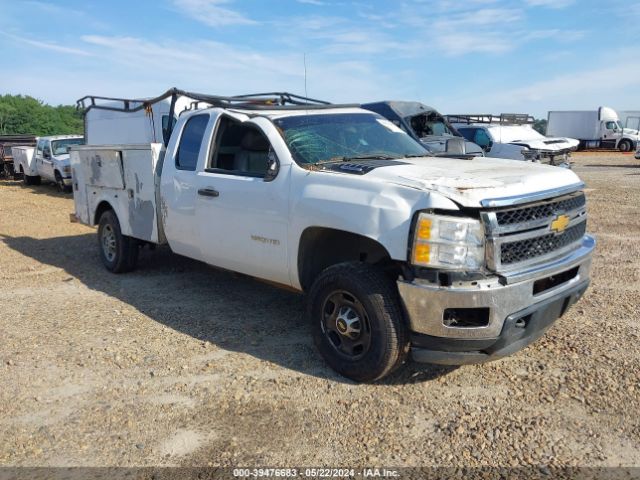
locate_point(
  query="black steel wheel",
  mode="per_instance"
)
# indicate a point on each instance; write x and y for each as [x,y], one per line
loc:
[357,321]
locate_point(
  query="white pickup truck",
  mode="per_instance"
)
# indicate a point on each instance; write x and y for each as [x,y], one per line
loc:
[49,161]
[513,136]
[455,261]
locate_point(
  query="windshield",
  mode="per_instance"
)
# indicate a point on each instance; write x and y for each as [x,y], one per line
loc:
[429,124]
[619,123]
[60,147]
[315,139]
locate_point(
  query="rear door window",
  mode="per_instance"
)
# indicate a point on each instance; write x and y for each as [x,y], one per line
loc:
[190,142]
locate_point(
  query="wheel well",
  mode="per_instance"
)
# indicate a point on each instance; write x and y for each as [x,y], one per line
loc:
[102,207]
[322,247]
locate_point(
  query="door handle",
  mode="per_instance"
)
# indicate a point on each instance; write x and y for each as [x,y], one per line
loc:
[208,192]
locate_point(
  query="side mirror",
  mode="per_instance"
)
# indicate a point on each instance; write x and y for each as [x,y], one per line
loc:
[273,166]
[487,147]
[46,154]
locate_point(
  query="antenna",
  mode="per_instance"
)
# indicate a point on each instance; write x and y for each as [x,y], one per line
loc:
[304,60]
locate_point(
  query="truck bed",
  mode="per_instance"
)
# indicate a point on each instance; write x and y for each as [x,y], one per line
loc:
[127,177]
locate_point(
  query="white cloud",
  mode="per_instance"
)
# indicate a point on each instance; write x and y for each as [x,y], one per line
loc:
[212,12]
[317,3]
[556,4]
[576,90]
[44,45]
[231,70]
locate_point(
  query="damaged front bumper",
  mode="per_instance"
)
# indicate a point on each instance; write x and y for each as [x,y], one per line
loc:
[475,322]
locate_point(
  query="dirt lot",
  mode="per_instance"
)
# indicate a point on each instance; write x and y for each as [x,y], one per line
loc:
[181,364]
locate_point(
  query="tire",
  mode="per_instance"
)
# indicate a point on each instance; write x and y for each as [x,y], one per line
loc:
[625,145]
[357,321]
[60,183]
[118,252]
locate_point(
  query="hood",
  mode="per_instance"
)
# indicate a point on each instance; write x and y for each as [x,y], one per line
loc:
[550,144]
[62,158]
[468,182]
[630,131]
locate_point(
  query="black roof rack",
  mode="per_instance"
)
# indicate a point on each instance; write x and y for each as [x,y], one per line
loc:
[502,119]
[254,101]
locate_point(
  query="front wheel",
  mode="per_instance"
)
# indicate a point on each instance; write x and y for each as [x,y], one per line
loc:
[357,321]
[625,145]
[119,253]
[60,183]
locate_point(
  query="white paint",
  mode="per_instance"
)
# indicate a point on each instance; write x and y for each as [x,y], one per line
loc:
[222,230]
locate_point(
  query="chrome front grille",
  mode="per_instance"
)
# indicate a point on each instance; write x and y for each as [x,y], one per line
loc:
[531,248]
[541,211]
[534,233]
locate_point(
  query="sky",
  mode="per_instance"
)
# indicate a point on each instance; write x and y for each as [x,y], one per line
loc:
[459,56]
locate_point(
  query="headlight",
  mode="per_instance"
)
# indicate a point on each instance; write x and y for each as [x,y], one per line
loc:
[451,243]
[66,169]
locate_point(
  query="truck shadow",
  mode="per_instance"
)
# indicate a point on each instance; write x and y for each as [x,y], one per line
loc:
[45,188]
[599,165]
[230,310]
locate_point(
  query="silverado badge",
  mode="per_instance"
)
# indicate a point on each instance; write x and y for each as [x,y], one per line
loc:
[560,223]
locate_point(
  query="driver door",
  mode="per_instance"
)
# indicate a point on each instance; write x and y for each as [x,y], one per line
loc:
[47,161]
[241,212]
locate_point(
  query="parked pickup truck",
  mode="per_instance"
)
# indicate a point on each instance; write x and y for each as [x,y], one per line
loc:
[455,261]
[513,136]
[51,161]
[426,125]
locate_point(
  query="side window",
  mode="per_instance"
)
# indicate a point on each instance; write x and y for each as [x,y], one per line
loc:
[468,133]
[240,150]
[481,138]
[190,142]
[612,126]
[46,149]
[39,147]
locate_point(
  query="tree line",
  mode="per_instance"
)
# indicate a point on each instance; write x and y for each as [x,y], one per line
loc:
[20,114]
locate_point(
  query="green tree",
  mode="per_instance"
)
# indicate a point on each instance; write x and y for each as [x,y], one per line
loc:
[26,115]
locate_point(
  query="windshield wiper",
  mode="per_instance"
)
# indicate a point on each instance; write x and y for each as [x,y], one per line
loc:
[368,156]
[418,155]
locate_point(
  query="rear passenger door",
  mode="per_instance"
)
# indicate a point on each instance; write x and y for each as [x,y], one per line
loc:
[185,154]
[241,210]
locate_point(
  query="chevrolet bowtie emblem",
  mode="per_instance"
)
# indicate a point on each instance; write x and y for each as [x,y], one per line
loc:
[560,223]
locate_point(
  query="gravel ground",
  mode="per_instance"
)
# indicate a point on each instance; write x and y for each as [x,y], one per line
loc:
[182,364]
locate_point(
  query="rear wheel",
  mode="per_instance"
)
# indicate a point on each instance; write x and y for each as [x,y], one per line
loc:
[119,253]
[625,145]
[357,321]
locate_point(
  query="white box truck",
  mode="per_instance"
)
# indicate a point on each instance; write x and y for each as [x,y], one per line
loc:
[600,128]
